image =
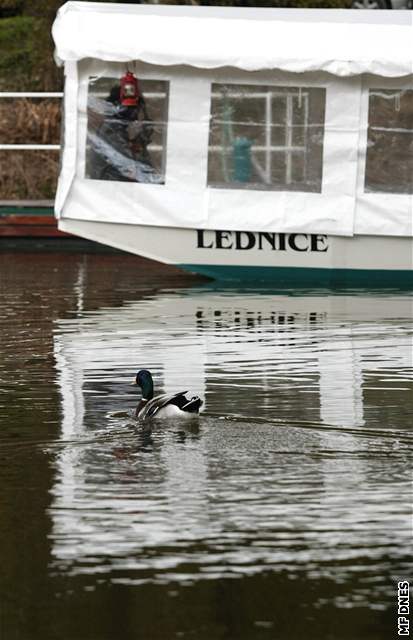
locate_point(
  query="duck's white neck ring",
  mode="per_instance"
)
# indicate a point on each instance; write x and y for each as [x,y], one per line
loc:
[145,400]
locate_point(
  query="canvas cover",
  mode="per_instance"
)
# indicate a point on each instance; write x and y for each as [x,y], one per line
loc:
[277,41]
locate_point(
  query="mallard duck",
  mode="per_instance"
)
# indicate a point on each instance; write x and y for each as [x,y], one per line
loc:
[168,405]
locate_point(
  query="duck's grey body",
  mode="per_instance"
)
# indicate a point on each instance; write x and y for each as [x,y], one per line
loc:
[168,405]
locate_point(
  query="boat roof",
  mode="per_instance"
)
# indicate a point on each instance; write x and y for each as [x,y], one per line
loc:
[344,42]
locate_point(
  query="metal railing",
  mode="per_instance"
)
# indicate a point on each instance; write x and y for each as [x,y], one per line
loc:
[27,147]
[30,94]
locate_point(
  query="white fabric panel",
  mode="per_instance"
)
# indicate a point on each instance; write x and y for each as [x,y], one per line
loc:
[181,201]
[380,213]
[331,211]
[108,201]
[188,131]
[385,214]
[280,211]
[94,31]
[185,200]
[69,150]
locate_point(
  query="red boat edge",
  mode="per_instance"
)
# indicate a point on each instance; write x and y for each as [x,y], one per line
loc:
[29,220]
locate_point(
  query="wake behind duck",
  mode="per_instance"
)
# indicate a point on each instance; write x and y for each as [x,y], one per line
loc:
[168,405]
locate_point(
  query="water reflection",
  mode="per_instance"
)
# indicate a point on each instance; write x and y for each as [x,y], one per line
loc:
[292,466]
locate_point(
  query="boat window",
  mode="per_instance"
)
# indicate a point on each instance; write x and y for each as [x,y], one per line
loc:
[266,137]
[126,132]
[389,163]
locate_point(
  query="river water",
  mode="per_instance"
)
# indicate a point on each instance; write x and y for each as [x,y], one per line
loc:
[283,512]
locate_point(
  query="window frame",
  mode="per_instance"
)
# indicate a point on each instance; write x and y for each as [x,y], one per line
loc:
[289,92]
[375,84]
[151,147]
[391,210]
[394,91]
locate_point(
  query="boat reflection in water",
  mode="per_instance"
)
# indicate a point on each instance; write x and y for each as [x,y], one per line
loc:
[287,468]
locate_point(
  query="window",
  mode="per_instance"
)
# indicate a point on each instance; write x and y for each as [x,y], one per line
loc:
[126,142]
[266,137]
[389,163]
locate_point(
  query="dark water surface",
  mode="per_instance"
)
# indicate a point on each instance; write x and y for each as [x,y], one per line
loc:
[283,513]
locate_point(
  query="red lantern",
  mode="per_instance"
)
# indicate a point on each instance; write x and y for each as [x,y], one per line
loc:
[129,90]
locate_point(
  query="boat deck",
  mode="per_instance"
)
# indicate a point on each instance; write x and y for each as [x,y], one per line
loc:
[29,220]
[27,225]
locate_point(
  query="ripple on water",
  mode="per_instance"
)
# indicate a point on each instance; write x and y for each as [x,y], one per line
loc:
[299,463]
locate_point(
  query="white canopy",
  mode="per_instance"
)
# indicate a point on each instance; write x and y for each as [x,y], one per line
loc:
[343,43]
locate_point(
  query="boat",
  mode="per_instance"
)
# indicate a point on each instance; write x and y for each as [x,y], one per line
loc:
[266,144]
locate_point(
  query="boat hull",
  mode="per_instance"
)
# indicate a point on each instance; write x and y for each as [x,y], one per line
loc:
[307,259]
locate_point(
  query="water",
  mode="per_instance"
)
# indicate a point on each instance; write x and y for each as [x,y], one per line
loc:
[282,513]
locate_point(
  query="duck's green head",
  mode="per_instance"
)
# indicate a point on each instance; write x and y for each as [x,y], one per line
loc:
[145,382]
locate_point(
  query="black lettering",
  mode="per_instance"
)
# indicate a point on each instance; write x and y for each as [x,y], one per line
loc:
[245,240]
[403,626]
[200,239]
[318,243]
[221,237]
[246,235]
[293,244]
[269,237]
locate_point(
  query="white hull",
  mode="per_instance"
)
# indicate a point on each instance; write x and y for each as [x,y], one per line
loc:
[247,255]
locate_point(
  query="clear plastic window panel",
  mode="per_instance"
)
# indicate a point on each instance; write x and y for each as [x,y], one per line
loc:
[126,143]
[266,137]
[389,163]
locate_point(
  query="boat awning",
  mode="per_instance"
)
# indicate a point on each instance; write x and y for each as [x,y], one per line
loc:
[343,43]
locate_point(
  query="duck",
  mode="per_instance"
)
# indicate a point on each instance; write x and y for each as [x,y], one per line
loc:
[168,405]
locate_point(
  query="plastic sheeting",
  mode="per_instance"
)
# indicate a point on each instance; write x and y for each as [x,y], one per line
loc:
[118,33]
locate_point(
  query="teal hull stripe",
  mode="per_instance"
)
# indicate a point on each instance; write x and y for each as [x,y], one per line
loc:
[304,276]
[31,210]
